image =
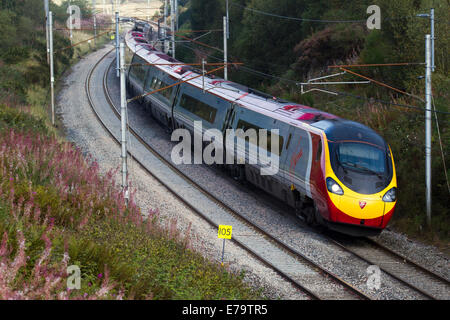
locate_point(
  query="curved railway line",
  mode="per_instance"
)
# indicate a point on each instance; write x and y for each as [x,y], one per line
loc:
[292,265]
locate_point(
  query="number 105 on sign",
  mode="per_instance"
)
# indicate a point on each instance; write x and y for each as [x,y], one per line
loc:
[224,232]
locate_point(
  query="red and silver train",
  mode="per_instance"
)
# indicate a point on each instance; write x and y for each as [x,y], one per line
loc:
[334,172]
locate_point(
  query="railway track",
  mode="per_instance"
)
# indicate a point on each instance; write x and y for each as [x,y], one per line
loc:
[311,276]
[427,283]
[303,273]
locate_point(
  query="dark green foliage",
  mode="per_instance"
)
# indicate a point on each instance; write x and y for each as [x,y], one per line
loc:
[23,56]
[328,46]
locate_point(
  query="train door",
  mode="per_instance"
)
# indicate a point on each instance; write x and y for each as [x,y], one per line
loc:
[161,102]
[297,161]
[137,74]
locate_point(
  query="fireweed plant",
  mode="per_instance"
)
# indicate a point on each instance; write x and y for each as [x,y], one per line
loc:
[57,210]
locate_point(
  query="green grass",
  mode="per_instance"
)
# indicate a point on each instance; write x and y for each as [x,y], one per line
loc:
[68,207]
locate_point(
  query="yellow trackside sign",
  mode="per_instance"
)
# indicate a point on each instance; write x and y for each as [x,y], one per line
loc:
[224,232]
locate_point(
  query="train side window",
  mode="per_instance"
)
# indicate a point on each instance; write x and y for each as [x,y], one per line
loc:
[154,81]
[167,93]
[198,108]
[319,150]
[244,125]
[138,70]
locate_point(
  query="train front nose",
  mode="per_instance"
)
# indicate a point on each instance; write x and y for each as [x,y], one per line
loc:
[367,211]
[349,207]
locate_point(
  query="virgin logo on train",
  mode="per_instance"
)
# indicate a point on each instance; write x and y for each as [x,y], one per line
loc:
[362,204]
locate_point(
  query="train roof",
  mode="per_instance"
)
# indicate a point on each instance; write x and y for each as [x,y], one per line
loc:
[298,115]
[350,131]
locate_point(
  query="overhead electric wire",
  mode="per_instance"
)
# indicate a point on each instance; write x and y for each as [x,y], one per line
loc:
[182,64]
[381,84]
[194,31]
[247,69]
[174,84]
[78,43]
[197,42]
[294,18]
[377,65]
[316,20]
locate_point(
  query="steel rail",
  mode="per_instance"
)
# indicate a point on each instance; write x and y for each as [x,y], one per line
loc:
[391,274]
[409,261]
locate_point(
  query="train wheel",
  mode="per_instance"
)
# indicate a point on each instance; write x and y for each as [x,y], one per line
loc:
[310,215]
[306,211]
[298,207]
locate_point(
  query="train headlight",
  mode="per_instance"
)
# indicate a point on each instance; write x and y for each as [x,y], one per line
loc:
[391,195]
[334,187]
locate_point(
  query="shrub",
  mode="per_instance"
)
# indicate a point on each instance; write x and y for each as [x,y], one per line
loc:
[56,209]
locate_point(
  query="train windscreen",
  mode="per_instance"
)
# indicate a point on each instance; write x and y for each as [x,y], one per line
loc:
[365,168]
[362,156]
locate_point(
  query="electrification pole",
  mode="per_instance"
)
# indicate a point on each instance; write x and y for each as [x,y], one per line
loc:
[428,69]
[203,74]
[228,23]
[117,45]
[95,11]
[431,16]
[164,27]
[175,2]
[123,121]
[433,66]
[95,30]
[70,22]
[225,48]
[46,8]
[112,10]
[172,25]
[52,78]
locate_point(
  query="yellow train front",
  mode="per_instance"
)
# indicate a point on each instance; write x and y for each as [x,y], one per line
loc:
[357,193]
